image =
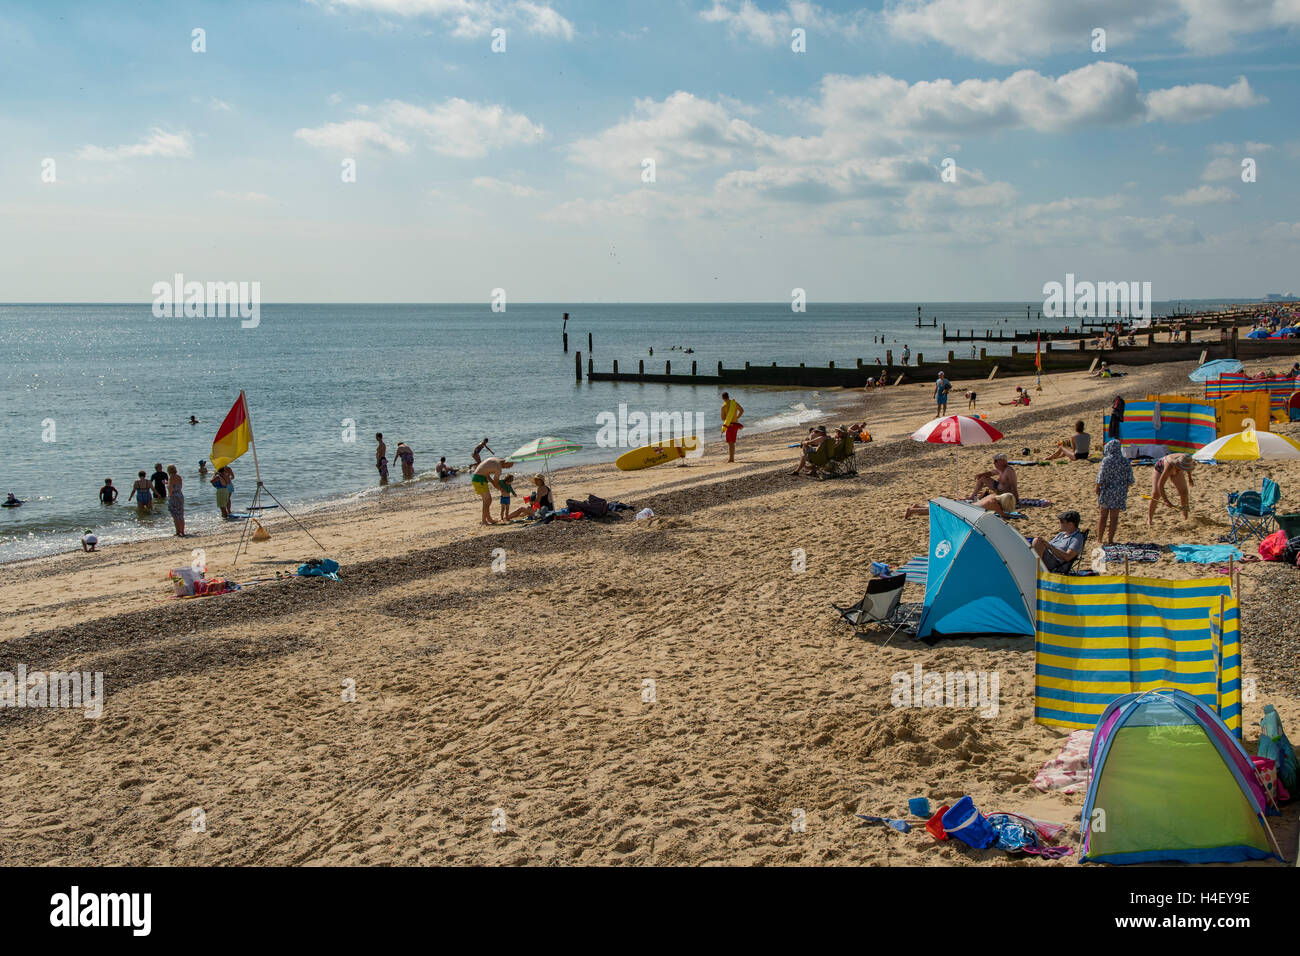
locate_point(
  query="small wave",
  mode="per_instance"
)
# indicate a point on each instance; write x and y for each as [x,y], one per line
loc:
[797,414]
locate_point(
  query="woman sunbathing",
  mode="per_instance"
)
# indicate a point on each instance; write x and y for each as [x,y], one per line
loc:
[999,504]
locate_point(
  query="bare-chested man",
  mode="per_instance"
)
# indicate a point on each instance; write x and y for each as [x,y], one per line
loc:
[1000,481]
[381,458]
[486,477]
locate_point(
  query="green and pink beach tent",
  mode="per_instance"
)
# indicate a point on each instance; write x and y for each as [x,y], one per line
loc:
[1170,783]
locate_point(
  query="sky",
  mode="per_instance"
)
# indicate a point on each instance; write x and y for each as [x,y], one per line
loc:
[658,151]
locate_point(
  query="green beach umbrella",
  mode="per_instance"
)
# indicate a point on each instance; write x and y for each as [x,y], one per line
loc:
[544,449]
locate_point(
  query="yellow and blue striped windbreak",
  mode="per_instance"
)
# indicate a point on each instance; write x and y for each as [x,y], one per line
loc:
[1104,636]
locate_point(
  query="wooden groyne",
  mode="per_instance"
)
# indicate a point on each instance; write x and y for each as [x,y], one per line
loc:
[1018,363]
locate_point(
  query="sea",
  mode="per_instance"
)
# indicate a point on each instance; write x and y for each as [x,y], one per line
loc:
[95,391]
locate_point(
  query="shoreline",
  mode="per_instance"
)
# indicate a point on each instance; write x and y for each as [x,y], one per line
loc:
[522,689]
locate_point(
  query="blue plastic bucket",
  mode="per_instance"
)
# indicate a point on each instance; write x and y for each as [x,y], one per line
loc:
[967,824]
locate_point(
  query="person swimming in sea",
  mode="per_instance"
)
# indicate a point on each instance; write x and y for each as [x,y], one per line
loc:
[193,420]
[11,502]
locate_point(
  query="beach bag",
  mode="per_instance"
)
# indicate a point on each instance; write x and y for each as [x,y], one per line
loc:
[1272,547]
[1274,746]
[967,824]
[184,579]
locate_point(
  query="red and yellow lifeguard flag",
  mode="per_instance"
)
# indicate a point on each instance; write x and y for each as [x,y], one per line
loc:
[234,435]
[1038,353]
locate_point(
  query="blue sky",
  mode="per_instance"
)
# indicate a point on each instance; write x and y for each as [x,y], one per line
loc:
[523,169]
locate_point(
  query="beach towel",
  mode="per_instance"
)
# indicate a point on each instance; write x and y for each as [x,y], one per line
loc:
[319,568]
[1069,771]
[1204,553]
[917,569]
[1140,553]
[1035,503]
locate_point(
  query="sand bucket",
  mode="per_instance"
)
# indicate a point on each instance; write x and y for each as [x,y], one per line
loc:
[261,534]
[934,826]
[967,824]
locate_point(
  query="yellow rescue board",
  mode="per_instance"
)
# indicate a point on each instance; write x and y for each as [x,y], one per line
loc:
[648,456]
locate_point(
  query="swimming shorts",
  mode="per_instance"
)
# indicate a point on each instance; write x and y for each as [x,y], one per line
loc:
[505,501]
[223,497]
[732,431]
[478,484]
[382,465]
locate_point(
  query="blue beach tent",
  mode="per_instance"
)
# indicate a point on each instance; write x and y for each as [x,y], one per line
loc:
[982,575]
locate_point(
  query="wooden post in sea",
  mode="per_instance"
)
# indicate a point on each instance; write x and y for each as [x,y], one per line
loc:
[577,365]
[918,316]
[589,348]
[692,368]
[889,357]
[566,343]
[615,366]
[668,367]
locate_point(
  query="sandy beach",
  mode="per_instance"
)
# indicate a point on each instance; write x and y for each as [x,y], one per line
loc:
[521,697]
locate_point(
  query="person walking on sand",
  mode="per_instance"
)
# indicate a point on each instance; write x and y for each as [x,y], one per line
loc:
[176,501]
[1113,480]
[107,494]
[479,449]
[1175,468]
[731,412]
[381,458]
[941,389]
[407,458]
[486,477]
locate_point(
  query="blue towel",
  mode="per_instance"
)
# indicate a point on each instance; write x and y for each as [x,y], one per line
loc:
[1204,553]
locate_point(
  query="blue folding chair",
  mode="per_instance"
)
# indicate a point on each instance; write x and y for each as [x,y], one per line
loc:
[1253,513]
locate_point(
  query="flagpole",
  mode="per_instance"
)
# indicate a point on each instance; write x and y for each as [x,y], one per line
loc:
[252,443]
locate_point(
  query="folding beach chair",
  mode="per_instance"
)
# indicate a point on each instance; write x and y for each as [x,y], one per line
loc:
[1253,512]
[844,457]
[881,607]
[1074,562]
[821,457]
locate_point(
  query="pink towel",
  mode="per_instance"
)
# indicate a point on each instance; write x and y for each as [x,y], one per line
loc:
[1068,771]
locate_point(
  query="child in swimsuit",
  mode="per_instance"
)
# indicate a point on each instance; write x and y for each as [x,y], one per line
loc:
[507,492]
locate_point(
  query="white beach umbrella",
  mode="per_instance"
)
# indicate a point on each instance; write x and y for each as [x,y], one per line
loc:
[957,430]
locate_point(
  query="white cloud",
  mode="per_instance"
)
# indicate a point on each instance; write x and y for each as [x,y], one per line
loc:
[159,143]
[1009,31]
[470,18]
[1198,101]
[770,28]
[460,128]
[682,130]
[1099,94]
[454,127]
[221,106]
[352,136]
[1227,157]
[1202,195]
[492,184]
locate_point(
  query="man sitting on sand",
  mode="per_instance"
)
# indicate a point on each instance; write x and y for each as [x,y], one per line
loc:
[445,470]
[1057,554]
[486,477]
[1001,480]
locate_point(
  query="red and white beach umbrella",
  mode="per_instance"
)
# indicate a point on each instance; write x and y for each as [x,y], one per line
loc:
[957,430]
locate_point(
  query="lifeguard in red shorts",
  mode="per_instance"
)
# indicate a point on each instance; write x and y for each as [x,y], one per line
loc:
[731,412]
